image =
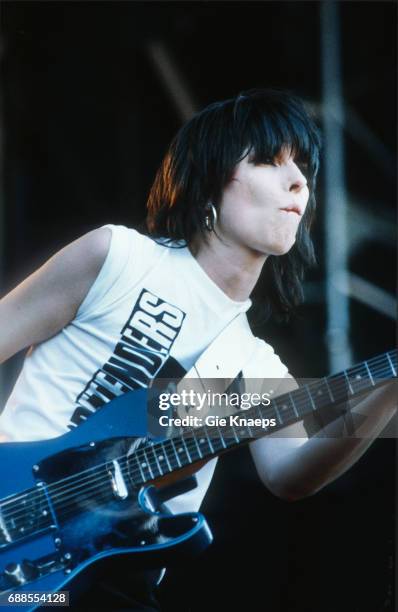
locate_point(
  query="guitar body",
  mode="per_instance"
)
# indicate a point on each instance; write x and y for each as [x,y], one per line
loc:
[50,536]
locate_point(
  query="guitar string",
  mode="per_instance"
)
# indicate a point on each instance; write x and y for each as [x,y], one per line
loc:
[144,465]
[72,506]
[95,484]
[264,413]
[143,448]
[155,468]
[154,464]
[192,443]
[68,509]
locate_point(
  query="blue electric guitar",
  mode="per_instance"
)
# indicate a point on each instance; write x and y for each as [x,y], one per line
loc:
[101,489]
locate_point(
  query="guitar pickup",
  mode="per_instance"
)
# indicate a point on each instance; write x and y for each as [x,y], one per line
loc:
[118,483]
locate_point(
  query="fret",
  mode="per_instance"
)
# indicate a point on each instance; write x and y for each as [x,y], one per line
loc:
[164,454]
[359,378]
[348,382]
[175,452]
[143,464]
[134,456]
[339,387]
[151,450]
[204,443]
[242,431]
[256,412]
[251,432]
[161,458]
[181,450]
[235,433]
[293,404]
[197,445]
[256,431]
[208,439]
[192,445]
[391,364]
[369,373]
[249,429]
[329,389]
[221,437]
[283,403]
[237,440]
[276,411]
[171,454]
[227,440]
[146,455]
[270,412]
[302,402]
[320,394]
[380,368]
[216,439]
[186,449]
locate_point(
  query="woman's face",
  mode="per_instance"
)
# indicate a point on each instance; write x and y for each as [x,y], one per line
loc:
[262,206]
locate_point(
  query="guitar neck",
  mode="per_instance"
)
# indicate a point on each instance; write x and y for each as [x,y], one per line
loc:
[197,444]
[30,512]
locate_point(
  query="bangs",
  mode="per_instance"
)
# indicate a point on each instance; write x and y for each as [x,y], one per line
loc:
[269,129]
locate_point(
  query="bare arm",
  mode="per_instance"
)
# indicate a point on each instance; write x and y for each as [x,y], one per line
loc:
[295,467]
[49,298]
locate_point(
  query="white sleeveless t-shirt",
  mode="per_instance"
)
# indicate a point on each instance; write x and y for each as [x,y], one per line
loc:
[147,297]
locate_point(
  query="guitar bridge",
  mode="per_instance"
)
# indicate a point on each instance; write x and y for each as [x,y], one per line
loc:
[25,571]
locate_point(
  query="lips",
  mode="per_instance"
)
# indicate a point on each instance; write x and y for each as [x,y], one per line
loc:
[293,209]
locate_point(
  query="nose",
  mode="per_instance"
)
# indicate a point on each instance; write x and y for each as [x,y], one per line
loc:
[297,179]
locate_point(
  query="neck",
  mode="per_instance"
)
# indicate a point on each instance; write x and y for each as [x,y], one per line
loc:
[235,271]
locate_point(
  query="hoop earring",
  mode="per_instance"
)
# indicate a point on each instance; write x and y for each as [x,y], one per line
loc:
[211,217]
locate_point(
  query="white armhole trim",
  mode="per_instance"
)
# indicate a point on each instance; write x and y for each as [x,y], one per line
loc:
[114,264]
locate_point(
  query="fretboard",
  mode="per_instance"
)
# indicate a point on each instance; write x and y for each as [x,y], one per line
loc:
[195,444]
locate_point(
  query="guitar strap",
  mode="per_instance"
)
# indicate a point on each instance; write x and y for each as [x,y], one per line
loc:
[220,364]
[222,361]
[228,353]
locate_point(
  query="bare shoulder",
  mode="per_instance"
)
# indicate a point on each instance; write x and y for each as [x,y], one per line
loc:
[70,272]
[87,252]
[48,299]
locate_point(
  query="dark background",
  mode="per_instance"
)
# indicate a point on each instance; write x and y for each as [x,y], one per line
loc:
[86,119]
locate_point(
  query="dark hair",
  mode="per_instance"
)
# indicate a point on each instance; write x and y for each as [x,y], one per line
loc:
[200,163]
